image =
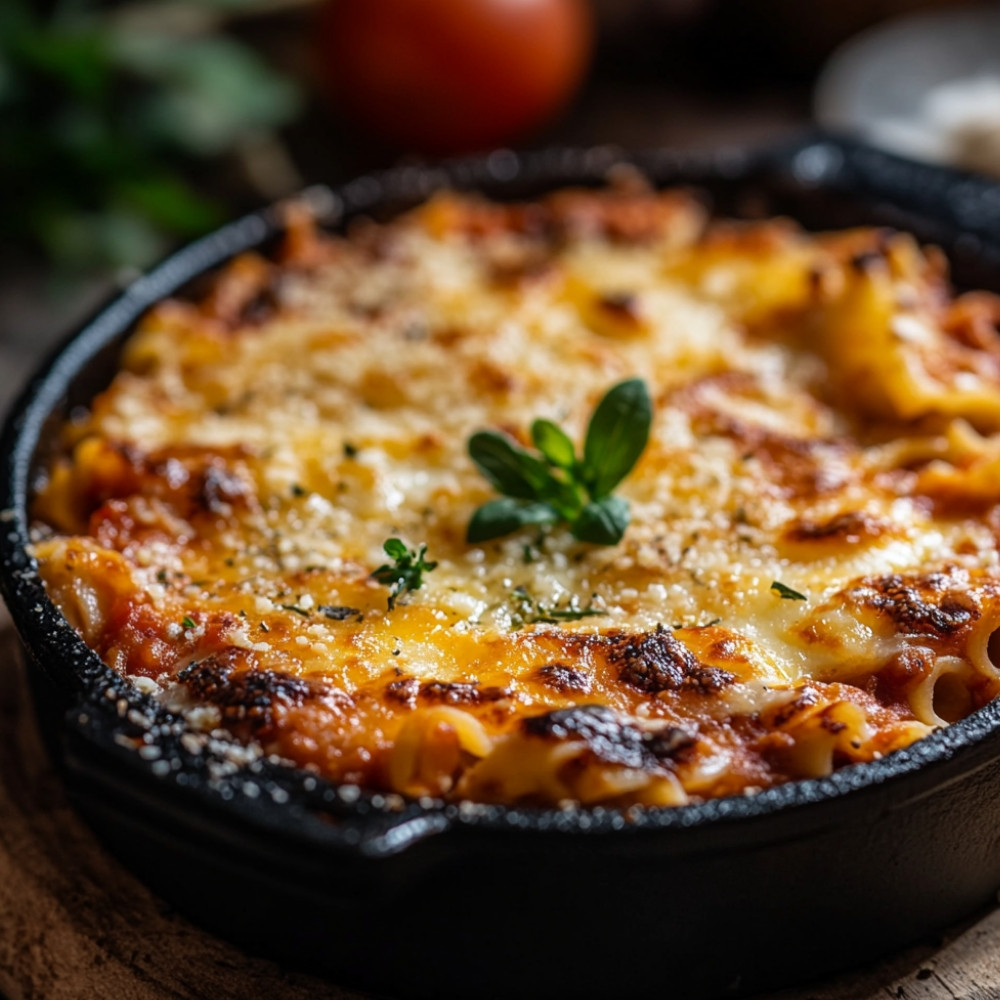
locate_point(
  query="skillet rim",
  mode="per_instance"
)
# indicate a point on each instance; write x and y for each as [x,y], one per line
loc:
[298,804]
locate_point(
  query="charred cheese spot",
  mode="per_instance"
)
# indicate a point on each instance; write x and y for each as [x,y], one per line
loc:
[657,662]
[563,678]
[254,697]
[930,605]
[457,693]
[610,738]
[844,529]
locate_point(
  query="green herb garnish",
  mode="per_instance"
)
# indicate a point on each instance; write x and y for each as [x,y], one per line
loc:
[295,609]
[406,572]
[786,592]
[112,113]
[553,485]
[338,612]
[189,622]
[527,610]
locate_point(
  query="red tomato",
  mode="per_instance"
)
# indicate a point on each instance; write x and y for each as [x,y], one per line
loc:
[446,76]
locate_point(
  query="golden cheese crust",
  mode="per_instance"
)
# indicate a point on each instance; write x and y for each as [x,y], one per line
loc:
[809,579]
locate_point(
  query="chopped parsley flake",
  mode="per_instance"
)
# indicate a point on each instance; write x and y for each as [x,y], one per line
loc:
[527,610]
[338,612]
[786,592]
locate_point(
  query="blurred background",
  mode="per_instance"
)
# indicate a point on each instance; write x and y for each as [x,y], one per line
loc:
[126,128]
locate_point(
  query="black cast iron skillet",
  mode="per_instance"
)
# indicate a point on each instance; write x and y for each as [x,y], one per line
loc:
[425,899]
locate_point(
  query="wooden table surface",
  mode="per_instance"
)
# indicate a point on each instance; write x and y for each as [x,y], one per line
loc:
[74,924]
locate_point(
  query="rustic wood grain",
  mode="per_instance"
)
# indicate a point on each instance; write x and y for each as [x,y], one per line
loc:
[74,924]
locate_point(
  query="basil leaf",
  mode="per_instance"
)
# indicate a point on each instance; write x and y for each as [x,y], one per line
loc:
[511,470]
[395,548]
[505,516]
[602,522]
[553,443]
[616,437]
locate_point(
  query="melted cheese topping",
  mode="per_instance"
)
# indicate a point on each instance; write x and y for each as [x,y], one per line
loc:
[825,418]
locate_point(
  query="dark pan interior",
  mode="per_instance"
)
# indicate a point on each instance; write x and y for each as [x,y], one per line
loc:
[707,900]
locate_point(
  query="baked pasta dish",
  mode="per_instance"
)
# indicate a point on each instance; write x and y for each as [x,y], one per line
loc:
[591,500]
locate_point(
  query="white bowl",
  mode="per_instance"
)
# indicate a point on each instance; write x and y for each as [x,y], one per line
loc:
[927,86]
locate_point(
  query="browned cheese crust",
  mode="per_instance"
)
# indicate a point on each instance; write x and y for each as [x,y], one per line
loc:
[826,417]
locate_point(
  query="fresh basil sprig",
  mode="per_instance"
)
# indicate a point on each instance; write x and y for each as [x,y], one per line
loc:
[405,572]
[553,485]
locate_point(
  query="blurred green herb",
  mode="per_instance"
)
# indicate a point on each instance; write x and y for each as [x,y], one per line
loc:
[406,572]
[553,484]
[104,110]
